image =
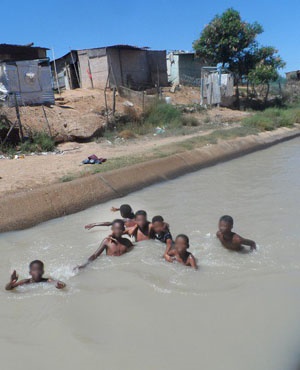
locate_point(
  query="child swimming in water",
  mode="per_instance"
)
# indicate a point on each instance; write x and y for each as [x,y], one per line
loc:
[231,240]
[160,231]
[142,230]
[36,270]
[126,213]
[180,254]
[114,244]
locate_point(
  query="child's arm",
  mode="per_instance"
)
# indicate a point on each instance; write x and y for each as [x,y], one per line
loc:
[95,255]
[169,244]
[169,256]
[129,230]
[14,281]
[248,242]
[58,284]
[192,262]
[90,226]
[114,209]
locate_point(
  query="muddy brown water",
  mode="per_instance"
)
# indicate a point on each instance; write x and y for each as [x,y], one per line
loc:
[238,312]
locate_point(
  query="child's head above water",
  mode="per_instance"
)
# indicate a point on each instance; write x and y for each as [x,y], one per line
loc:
[118,228]
[158,224]
[36,270]
[182,243]
[225,224]
[141,218]
[126,211]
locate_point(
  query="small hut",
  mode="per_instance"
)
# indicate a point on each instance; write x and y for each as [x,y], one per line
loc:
[25,76]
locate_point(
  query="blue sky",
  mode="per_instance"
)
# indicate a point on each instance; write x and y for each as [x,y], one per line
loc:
[159,24]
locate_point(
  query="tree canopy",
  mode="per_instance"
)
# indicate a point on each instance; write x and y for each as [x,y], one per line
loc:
[231,41]
[225,37]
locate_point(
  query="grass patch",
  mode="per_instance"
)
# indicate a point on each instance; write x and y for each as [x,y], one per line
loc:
[39,142]
[166,150]
[162,114]
[273,118]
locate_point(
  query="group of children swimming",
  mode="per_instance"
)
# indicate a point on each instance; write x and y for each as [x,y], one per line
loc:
[135,227]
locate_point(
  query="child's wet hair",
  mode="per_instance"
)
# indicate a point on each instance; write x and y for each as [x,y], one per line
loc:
[185,238]
[157,219]
[120,222]
[126,211]
[36,262]
[227,219]
[141,213]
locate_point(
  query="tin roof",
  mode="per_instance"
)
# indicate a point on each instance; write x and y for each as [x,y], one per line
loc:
[7,47]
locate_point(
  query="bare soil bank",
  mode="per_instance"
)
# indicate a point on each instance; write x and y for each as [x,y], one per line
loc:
[27,209]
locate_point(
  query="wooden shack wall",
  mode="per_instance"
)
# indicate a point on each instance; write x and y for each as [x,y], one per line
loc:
[130,68]
[157,60]
[133,68]
[97,65]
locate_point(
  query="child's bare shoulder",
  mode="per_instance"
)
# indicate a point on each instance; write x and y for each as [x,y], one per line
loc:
[236,238]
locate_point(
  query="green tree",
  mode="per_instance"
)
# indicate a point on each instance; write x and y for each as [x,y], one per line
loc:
[226,38]
[229,40]
[266,68]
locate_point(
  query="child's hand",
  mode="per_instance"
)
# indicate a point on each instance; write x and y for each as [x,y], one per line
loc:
[89,226]
[114,209]
[169,258]
[60,285]
[14,277]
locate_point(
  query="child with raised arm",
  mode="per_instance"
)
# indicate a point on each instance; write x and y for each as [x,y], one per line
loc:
[160,231]
[36,270]
[142,230]
[114,245]
[126,213]
[180,254]
[231,240]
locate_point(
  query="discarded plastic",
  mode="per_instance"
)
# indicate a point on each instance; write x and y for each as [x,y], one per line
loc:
[159,131]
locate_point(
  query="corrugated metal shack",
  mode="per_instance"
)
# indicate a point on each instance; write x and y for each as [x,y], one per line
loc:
[25,75]
[118,65]
[184,68]
[65,71]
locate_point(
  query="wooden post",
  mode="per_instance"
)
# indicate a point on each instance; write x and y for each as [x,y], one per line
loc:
[8,133]
[143,106]
[19,118]
[47,122]
[143,101]
[158,82]
[55,71]
[105,98]
[114,101]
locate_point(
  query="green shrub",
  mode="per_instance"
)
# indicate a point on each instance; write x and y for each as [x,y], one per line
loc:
[39,142]
[296,115]
[260,122]
[162,114]
[272,118]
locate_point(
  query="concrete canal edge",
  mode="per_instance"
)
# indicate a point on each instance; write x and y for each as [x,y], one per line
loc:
[26,209]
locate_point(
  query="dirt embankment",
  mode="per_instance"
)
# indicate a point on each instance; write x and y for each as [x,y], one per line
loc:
[81,114]
[27,209]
